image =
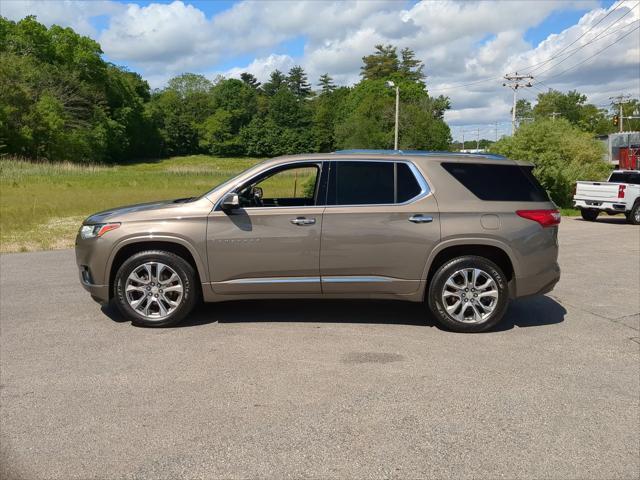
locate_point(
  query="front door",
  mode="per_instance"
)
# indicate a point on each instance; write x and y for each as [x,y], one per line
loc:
[380,224]
[271,244]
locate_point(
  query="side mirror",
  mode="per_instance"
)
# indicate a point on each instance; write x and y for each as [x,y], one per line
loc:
[230,202]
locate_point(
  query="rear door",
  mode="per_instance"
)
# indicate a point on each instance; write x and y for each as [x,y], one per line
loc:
[380,224]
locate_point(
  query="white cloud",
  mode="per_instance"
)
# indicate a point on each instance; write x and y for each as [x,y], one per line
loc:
[74,14]
[158,37]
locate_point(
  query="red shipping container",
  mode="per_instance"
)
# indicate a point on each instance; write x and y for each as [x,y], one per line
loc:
[629,158]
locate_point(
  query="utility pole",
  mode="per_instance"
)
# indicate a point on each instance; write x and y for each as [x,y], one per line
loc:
[514,82]
[478,140]
[496,131]
[397,115]
[620,100]
[463,139]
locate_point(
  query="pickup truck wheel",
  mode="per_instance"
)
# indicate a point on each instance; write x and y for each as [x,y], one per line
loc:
[468,294]
[155,288]
[634,216]
[589,214]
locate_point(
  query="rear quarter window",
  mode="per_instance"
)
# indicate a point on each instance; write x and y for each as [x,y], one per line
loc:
[507,183]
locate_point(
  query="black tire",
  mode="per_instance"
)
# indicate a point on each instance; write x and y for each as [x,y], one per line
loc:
[182,268]
[634,215]
[589,214]
[437,287]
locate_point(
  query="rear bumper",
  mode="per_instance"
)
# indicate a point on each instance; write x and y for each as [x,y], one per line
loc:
[601,205]
[538,284]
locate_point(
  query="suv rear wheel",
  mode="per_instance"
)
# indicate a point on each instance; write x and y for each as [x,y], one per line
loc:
[468,294]
[155,288]
[589,214]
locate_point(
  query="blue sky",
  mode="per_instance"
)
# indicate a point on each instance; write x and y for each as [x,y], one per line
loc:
[466,46]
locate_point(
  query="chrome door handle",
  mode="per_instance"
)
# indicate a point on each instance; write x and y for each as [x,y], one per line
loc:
[420,219]
[303,221]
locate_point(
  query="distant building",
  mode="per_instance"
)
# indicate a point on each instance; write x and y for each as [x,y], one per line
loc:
[622,149]
[474,150]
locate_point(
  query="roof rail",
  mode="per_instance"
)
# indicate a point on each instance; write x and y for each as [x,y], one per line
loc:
[425,153]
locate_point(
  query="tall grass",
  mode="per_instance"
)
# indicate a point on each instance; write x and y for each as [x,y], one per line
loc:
[42,204]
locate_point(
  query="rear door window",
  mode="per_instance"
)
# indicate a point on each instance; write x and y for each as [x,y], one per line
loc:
[507,183]
[371,183]
[362,183]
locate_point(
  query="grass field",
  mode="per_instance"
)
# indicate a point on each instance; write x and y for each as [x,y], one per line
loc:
[42,204]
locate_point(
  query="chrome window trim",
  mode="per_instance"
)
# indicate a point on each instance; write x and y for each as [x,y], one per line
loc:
[425,190]
[279,165]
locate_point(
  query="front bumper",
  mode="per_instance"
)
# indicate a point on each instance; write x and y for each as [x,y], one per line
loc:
[91,263]
[100,293]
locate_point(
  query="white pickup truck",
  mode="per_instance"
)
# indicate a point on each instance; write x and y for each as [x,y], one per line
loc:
[619,194]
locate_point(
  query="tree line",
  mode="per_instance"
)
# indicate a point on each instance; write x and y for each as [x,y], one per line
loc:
[59,100]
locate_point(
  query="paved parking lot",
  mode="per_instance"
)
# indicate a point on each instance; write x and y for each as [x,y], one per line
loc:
[326,389]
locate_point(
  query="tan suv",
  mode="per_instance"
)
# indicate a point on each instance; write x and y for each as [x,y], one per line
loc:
[463,233]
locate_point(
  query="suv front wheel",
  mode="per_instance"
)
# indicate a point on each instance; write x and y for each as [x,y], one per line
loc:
[155,288]
[468,294]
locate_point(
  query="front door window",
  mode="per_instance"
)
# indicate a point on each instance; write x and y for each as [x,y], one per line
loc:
[289,187]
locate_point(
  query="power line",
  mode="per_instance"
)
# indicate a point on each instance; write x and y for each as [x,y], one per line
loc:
[600,36]
[590,57]
[557,54]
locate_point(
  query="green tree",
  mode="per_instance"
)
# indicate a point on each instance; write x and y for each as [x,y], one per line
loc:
[410,67]
[561,153]
[60,100]
[381,64]
[524,112]
[276,81]
[188,84]
[325,82]
[298,83]
[250,80]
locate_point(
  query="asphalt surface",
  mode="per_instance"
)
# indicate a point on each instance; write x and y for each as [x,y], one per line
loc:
[326,389]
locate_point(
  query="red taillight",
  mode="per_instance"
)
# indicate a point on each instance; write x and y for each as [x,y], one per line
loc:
[621,189]
[546,218]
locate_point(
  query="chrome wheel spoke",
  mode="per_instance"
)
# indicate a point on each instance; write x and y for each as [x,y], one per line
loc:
[488,294]
[172,288]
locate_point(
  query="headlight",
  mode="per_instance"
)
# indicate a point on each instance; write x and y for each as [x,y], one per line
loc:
[97,230]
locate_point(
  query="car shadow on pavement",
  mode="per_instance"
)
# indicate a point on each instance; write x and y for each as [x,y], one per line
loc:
[529,312]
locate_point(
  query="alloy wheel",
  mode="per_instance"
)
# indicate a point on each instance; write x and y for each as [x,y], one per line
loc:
[154,290]
[470,295]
